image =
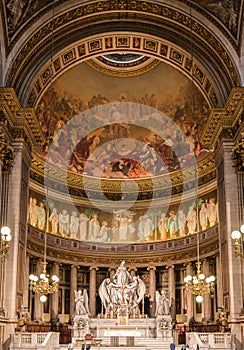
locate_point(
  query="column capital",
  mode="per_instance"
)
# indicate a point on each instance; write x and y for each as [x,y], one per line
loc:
[169,266]
[112,269]
[133,268]
[93,268]
[74,267]
[188,263]
[151,267]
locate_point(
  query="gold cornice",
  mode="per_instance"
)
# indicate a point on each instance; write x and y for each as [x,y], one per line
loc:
[177,183]
[21,122]
[131,10]
[223,122]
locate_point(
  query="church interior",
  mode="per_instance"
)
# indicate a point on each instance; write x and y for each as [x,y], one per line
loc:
[121,174]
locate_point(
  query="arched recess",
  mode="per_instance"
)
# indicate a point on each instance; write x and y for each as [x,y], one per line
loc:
[161,21]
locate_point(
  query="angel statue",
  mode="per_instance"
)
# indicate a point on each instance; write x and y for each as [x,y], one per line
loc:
[162,303]
[81,303]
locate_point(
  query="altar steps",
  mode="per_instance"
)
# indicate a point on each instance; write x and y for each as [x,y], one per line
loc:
[152,344]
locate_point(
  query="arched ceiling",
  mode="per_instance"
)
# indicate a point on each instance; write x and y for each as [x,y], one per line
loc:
[203,31]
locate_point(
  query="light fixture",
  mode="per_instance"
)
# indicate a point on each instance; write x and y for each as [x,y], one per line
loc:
[237,237]
[45,284]
[199,284]
[5,239]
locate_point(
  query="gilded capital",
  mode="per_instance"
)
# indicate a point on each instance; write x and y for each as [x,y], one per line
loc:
[149,268]
[93,268]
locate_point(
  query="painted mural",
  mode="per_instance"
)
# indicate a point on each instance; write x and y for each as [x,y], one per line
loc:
[85,137]
[124,226]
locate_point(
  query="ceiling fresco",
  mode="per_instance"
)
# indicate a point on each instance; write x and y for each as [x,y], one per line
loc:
[116,127]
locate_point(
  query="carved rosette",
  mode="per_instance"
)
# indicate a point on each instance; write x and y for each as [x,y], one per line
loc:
[238,154]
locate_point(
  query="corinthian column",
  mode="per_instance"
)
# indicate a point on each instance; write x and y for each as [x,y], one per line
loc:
[220,300]
[206,297]
[38,305]
[54,296]
[189,296]
[73,287]
[92,290]
[172,290]
[152,289]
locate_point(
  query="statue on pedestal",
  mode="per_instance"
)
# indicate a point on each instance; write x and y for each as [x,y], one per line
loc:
[122,295]
[162,303]
[81,303]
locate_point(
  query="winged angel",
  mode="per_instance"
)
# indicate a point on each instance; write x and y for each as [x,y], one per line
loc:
[162,303]
[81,303]
[114,296]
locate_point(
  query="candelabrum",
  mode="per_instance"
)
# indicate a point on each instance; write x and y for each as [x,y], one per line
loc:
[237,237]
[199,284]
[43,284]
[5,239]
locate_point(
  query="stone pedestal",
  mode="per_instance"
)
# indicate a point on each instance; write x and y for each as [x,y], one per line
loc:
[80,327]
[164,327]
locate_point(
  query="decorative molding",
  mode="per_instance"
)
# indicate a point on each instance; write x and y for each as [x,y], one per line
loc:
[133,11]
[110,255]
[20,122]
[117,70]
[224,122]
[160,187]
[161,50]
[233,33]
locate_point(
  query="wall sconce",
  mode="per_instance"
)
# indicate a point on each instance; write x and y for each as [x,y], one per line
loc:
[237,238]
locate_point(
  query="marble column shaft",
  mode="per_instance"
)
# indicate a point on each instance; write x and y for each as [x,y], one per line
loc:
[92,291]
[152,289]
[73,287]
[229,221]
[189,296]
[219,276]
[38,305]
[17,221]
[54,296]
[171,273]
[206,297]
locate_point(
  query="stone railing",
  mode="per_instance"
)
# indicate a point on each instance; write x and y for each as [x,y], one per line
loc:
[37,341]
[211,340]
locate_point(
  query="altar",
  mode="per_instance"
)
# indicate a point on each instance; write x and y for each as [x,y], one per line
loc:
[122,321]
[123,337]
